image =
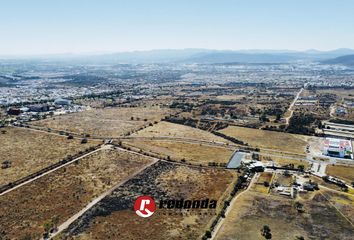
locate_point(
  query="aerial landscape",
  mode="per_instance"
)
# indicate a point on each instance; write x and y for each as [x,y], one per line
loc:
[136,139]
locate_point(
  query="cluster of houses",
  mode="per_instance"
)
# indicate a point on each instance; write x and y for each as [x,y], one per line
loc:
[38,111]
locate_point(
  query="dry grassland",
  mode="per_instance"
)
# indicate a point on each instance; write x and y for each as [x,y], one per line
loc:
[252,211]
[267,139]
[108,122]
[114,217]
[280,161]
[166,129]
[190,152]
[259,184]
[30,151]
[343,172]
[63,193]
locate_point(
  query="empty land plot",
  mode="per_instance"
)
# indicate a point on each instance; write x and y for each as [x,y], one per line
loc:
[114,217]
[281,179]
[63,193]
[30,151]
[190,152]
[343,172]
[108,122]
[344,202]
[267,139]
[252,211]
[261,185]
[282,161]
[167,129]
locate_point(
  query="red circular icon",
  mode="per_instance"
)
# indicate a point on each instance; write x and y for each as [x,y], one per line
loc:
[144,206]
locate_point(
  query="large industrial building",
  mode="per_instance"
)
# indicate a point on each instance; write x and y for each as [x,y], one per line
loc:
[338,148]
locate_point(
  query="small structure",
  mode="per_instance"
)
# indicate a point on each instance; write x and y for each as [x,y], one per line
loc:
[256,167]
[62,102]
[39,108]
[13,111]
[310,186]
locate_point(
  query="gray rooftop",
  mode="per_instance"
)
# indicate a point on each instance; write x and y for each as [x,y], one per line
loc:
[235,160]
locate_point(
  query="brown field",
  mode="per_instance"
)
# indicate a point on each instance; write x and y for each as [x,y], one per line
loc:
[343,172]
[283,180]
[166,129]
[259,185]
[190,152]
[344,202]
[61,194]
[108,122]
[281,161]
[114,217]
[230,97]
[267,139]
[252,211]
[30,151]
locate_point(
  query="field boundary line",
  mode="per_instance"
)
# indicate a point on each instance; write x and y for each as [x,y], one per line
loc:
[103,147]
[73,218]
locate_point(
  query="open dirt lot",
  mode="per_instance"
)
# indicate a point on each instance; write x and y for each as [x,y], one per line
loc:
[190,152]
[342,201]
[166,129]
[252,211]
[343,172]
[114,217]
[108,122]
[267,139]
[259,184]
[61,194]
[30,151]
[281,161]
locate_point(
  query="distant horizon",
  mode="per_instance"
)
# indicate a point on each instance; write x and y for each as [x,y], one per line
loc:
[41,27]
[260,51]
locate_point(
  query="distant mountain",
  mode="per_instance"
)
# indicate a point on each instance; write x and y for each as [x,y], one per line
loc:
[203,56]
[343,60]
[219,56]
[230,57]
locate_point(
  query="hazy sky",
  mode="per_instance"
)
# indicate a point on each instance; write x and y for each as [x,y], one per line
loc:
[79,26]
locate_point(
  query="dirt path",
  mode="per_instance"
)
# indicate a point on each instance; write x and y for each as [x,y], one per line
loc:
[287,119]
[55,169]
[66,224]
[337,209]
[220,223]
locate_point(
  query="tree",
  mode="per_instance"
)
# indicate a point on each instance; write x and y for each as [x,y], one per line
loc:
[301,167]
[299,207]
[265,231]
[47,226]
[208,234]
[84,140]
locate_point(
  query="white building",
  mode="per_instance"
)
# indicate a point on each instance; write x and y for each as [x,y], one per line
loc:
[337,148]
